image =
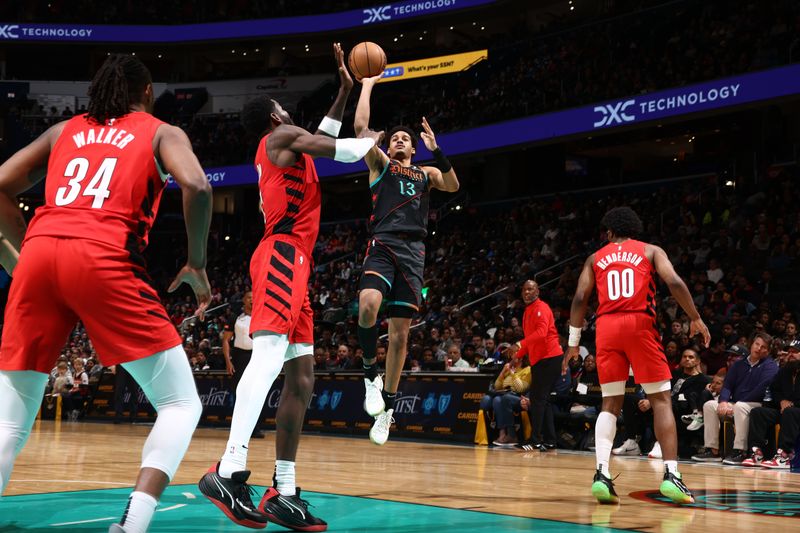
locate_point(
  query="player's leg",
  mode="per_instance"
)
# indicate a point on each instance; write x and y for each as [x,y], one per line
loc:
[20,397]
[395,359]
[612,371]
[651,370]
[281,502]
[37,323]
[544,375]
[167,381]
[376,282]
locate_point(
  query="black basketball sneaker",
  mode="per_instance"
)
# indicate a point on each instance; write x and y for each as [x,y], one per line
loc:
[289,511]
[603,489]
[232,496]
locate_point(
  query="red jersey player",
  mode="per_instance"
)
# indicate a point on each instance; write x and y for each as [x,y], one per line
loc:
[624,273]
[282,320]
[81,258]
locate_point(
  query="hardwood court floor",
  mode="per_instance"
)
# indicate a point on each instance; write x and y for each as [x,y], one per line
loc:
[552,486]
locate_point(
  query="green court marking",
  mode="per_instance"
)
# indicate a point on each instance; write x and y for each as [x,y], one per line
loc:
[184,509]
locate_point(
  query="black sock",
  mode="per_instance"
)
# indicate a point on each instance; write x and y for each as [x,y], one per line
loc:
[368,339]
[388,399]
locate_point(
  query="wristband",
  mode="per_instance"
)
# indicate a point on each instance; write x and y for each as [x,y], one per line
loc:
[441,161]
[574,336]
[330,126]
[351,150]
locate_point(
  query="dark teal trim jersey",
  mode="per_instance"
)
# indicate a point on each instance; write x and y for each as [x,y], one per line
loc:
[400,198]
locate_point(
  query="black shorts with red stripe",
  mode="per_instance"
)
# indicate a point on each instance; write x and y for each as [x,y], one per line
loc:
[280,272]
[394,265]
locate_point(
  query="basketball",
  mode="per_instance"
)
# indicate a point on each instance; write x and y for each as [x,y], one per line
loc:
[366,60]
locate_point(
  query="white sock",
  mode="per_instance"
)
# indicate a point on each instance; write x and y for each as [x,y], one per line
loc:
[234,459]
[265,364]
[671,466]
[139,513]
[604,431]
[284,475]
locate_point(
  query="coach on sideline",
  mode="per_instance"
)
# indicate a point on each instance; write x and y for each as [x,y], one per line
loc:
[542,347]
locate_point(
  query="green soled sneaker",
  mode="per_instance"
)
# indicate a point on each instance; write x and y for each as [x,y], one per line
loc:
[673,488]
[603,489]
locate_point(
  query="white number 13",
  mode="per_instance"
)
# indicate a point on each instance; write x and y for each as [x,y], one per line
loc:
[98,185]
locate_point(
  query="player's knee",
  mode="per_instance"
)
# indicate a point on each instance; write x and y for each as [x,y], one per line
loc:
[368,304]
[301,385]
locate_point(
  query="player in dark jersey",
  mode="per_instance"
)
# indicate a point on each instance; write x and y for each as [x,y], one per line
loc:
[395,259]
[282,320]
[81,259]
[624,273]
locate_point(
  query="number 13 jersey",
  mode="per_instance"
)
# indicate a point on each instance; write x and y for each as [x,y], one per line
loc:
[625,279]
[400,199]
[102,182]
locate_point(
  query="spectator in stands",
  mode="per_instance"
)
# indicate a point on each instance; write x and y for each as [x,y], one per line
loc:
[512,382]
[688,384]
[587,390]
[454,360]
[744,388]
[785,410]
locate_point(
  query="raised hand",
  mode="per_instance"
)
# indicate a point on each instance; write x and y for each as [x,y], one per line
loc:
[376,136]
[346,82]
[699,327]
[197,279]
[372,80]
[427,136]
[573,352]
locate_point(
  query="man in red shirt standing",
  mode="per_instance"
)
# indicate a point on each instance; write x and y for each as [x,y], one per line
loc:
[544,354]
[282,323]
[624,273]
[82,259]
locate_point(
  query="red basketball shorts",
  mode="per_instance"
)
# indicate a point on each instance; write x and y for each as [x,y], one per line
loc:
[59,281]
[627,340]
[280,272]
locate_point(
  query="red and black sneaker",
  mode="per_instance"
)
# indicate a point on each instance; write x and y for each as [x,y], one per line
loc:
[289,511]
[232,496]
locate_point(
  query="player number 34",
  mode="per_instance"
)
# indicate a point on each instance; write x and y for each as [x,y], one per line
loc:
[620,284]
[77,169]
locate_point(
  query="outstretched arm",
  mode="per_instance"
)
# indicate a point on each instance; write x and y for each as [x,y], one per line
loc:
[444,177]
[679,290]
[375,159]
[332,122]
[287,141]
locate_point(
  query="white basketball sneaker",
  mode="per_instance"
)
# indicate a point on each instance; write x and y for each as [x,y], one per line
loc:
[629,447]
[655,453]
[379,433]
[373,401]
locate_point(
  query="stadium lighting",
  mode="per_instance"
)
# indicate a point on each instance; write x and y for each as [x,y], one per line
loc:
[227,237]
[458,208]
[27,208]
[257,50]
[283,48]
[159,56]
[395,39]
[451,27]
[483,27]
[21,205]
[730,183]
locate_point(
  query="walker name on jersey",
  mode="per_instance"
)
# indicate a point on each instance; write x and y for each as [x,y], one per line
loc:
[407,172]
[619,257]
[113,136]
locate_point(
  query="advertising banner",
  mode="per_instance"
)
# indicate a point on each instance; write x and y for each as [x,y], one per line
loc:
[702,97]
[342,20]
[433,66]
[428,405]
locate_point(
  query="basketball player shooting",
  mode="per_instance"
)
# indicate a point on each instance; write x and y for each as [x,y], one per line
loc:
[623,272]
[395,259]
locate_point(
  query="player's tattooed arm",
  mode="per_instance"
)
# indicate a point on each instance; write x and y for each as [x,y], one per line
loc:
[444,176]
[376,159]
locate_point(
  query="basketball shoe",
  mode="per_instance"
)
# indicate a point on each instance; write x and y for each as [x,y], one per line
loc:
[379,433]
[603,489]
[673,488]
[373,401]
[755,458]
[629,447]
[289,511]
[781,461]
[232,496]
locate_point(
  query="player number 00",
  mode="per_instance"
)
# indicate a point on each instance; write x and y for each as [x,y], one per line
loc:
[620,284]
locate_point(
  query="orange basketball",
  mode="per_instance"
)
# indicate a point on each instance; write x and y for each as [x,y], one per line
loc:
[366,60]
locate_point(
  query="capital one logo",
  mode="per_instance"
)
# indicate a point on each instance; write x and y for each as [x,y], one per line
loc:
[614,113]
[9,31]
[377,14]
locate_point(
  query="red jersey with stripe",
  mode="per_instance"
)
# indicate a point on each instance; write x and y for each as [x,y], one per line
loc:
[291,198]
[102,182]
[625,279]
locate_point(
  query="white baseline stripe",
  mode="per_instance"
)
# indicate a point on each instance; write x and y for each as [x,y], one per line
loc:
[189,495]
[83,521]
[178,506]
